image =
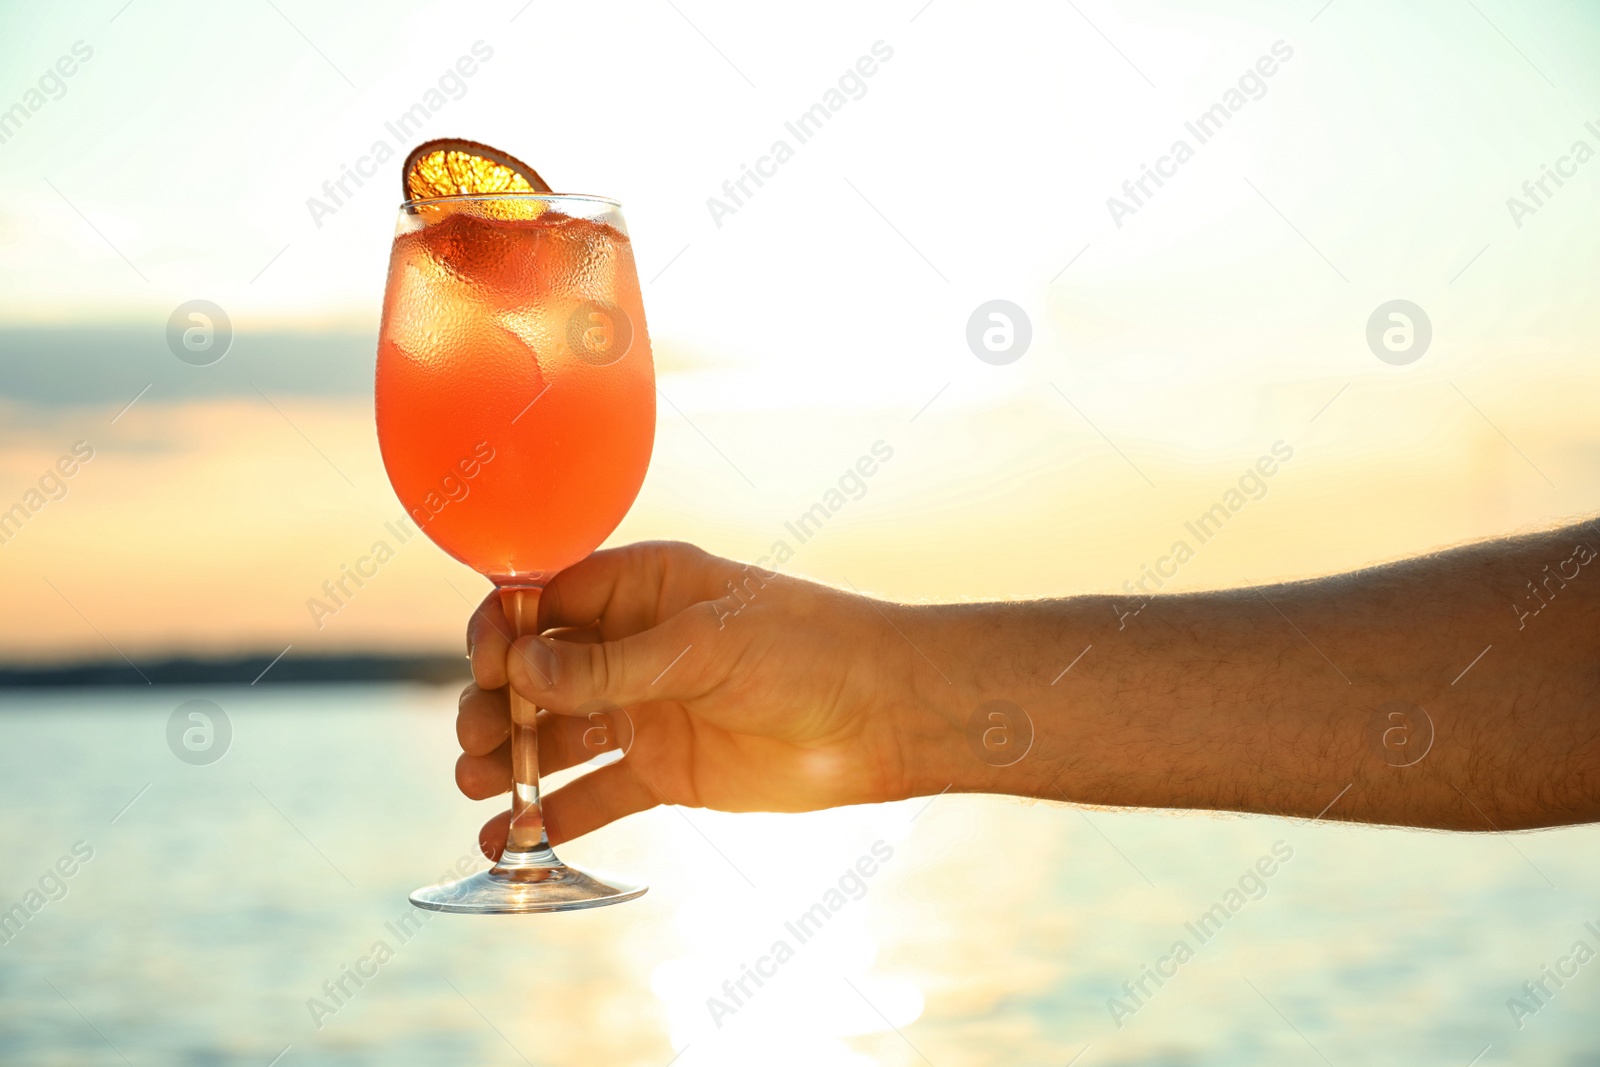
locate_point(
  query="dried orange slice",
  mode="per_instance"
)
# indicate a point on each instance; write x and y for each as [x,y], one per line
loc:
[452,167]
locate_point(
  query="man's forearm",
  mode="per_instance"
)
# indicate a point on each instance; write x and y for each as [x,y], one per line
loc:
[1454,691]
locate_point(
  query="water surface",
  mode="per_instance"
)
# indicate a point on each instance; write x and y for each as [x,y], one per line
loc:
[219,902]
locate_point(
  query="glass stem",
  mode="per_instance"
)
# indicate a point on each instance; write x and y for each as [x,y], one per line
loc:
[527,844]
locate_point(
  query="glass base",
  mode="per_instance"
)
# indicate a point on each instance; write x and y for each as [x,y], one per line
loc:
[526,883]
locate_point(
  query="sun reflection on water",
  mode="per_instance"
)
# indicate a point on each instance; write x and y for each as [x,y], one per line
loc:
[783,969]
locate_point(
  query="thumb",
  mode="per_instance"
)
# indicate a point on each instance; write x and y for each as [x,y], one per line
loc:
[671,661]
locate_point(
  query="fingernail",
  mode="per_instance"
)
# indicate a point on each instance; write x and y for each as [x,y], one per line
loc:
[542,661]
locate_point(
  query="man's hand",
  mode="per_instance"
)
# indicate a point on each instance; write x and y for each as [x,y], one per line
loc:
[746,691]
[1456,691]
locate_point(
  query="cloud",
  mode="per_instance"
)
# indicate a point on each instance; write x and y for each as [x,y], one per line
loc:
[65,366]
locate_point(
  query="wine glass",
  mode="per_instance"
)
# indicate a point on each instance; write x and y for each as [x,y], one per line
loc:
[516,414]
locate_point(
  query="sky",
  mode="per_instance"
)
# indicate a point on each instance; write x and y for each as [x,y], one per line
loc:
[1178,333]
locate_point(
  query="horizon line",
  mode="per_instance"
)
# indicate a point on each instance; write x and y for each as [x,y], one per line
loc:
[244,669]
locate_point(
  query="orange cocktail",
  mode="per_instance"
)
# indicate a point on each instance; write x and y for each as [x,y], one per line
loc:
[515,391]
[516,412]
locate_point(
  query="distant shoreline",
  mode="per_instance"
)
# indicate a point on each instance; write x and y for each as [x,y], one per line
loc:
[261,669]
